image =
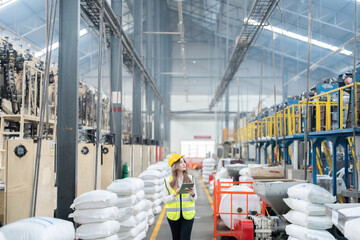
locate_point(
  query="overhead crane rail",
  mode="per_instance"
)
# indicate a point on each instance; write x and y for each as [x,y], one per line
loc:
[259,13]
[91,12]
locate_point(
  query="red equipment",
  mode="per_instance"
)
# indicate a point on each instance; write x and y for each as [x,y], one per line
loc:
[244,229]
[219,227]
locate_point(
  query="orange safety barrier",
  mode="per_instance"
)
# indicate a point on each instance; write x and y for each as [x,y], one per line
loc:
[220,229]
[194,162]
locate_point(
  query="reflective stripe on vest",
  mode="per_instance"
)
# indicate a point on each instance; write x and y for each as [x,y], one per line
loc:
[173,208]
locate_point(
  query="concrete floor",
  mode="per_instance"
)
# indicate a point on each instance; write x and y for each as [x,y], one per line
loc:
[203,228]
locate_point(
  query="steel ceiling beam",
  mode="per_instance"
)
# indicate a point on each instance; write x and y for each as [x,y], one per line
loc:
[91,9]
[260,12]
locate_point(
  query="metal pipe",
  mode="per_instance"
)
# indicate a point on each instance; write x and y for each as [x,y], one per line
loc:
[306,145]
[354,121]
[98,110]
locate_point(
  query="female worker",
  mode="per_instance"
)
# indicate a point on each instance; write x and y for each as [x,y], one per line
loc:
[180,208]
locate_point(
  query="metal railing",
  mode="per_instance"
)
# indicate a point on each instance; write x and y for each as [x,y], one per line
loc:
[328,111]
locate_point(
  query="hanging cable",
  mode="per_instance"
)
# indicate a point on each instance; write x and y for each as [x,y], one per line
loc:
[274,82]
[260,100]
[98,105]
[306,130]
[354,121]
[51,14]
[282,87]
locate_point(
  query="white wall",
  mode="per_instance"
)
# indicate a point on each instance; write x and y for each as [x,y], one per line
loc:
[181,130]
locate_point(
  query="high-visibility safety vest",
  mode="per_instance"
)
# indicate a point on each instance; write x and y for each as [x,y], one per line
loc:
[182,201]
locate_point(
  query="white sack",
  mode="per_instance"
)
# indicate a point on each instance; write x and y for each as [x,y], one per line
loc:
[131,232]
[150,174]
[222,173]
[352,229]
[147,204]
[154,196]
[246,179]
[207,172]
[152,182]
[140,206]
[140,195]
[311,193]
[94,199]
[151,220]
[141,236]
[304,233]
[39,228]
[97,230]
[157,202]
[157,210]
[313,222]
[244,172]
[312,209]
[125,213]
[141,217]
[209,161]
[125,201]
[153,189]
[112,237]
[94,215]
[126,186]
[128,223]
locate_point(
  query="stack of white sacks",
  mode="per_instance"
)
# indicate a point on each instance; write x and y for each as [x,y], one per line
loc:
[307,213]
[208,165]
[223,176]
[97,214]
[154,188]
[133,210]
[245,175]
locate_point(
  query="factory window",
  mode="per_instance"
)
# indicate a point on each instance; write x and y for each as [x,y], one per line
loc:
[199,149]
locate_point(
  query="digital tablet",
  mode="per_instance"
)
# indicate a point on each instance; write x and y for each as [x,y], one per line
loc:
[185,186]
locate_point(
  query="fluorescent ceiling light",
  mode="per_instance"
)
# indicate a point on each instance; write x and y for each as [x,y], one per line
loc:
[302,38]
[56,45]
[7,4]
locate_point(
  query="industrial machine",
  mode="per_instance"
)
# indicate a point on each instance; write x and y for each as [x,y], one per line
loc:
[225,150]
[262,227]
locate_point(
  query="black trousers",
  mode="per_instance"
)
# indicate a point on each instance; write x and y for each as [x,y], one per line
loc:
[181,229]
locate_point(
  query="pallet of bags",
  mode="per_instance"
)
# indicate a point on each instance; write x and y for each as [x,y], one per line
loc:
[96,213]
[38,228]
[208,166]
[132,208]
[307,215]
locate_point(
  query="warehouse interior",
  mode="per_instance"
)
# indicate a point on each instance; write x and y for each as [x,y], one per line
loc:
[261,98]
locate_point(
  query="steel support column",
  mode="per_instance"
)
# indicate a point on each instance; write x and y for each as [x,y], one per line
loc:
[116,88]
[149,54]
[157,47]
[334,158]
[167,87]
[136,98]
[68,107]
[162,67]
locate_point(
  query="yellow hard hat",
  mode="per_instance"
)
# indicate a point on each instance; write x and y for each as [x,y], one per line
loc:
[173,158]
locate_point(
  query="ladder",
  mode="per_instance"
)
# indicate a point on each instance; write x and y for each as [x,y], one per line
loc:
[319,162]
[327,155]
[290,155]
[351,140]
